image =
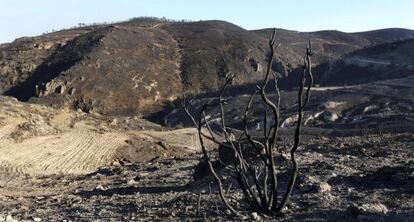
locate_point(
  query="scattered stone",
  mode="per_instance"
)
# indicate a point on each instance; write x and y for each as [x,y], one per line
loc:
[117,164]
[255,216]
[72,91]
[132,182]
[100,187]
[323,187]
[330,116]
[376,208]
[114,121]
[9,218]
[310,184]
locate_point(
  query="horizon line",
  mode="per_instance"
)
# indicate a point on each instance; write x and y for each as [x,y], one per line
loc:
[171,20]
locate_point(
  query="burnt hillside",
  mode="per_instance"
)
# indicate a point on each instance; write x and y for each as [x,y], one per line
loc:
[380,62]
[136,67]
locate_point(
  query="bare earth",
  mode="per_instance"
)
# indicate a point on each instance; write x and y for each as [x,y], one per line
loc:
[61,165]
[366,178]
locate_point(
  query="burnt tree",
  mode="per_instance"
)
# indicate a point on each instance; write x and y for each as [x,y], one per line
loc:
[258,179]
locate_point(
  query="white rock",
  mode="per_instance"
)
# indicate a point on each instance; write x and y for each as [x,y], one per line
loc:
[100,187]
[9,218]
[255,216]
[132,182]
[377,208]
[323,187]
[374,208]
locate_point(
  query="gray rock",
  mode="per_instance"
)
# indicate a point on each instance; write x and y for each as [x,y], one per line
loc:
[375,208]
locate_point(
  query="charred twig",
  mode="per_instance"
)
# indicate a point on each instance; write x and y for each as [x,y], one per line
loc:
[198,202]
[307,72]
[210,165]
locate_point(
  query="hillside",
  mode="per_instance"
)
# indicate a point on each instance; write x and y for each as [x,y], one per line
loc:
[130,67]
[137,67]
[330,45]
[384,61]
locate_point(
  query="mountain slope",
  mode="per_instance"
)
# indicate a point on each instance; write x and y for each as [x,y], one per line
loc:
[330,45]
[212,49]
[137,67]
[385,61]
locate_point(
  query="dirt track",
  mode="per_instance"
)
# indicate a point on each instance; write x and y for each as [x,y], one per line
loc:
[68,153]
[367,178]
[37,140]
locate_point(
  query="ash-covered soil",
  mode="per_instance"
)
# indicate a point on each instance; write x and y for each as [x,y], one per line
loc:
[358,178]
[381,106]
[356,161]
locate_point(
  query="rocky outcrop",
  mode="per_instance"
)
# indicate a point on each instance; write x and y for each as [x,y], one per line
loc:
[21,58]
[53,86]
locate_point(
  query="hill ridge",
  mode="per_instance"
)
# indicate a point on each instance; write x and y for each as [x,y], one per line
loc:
[140,65]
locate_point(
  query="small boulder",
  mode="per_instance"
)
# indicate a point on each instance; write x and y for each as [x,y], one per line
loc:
[100,187]
[9,218]
[312,185]
[255,216]
[367,208]
[323,187]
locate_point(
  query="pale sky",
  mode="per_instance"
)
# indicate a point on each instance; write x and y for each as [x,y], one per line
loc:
[32,17]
